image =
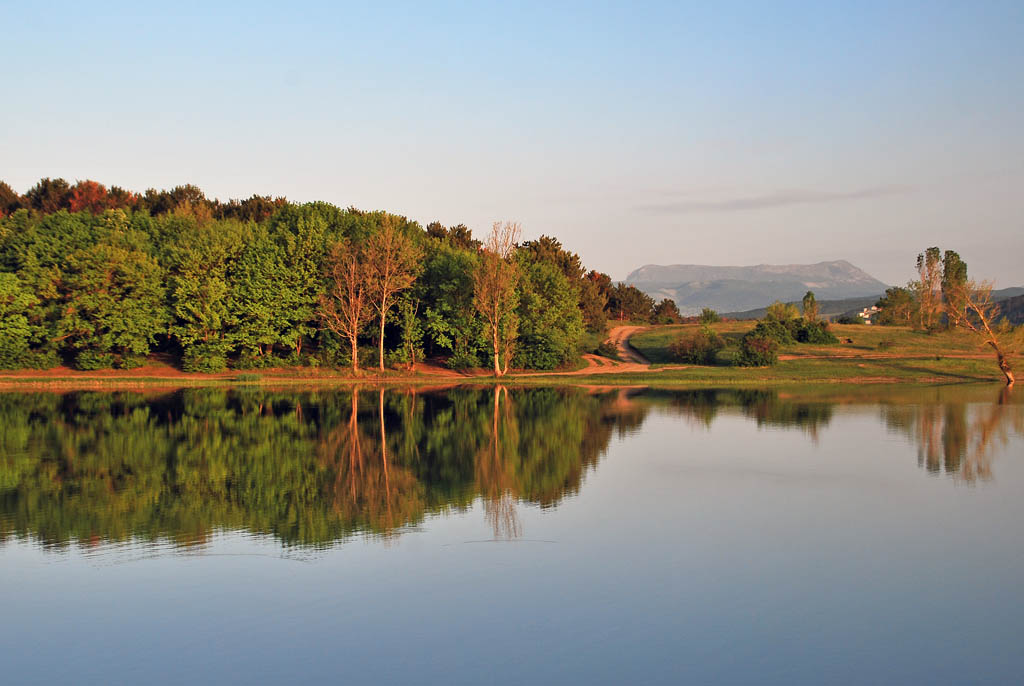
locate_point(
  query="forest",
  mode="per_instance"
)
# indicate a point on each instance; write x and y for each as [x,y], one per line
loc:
[95,277]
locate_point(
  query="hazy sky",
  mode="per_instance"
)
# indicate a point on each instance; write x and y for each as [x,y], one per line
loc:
[710,133]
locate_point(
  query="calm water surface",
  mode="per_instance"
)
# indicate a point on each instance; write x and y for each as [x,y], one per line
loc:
[511,536]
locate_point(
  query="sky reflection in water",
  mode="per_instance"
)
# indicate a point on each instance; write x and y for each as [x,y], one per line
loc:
[505,535]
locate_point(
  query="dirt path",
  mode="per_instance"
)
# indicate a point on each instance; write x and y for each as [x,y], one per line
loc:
[631,360]
[619,337]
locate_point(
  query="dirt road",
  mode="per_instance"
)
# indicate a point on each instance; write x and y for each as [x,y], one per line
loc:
[619,337]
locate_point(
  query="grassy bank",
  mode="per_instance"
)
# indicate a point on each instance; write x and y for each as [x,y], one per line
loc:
[869,355]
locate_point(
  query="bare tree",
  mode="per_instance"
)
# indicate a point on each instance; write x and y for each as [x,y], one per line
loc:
[343,308]
[393,263]
[494,290]
[969,306]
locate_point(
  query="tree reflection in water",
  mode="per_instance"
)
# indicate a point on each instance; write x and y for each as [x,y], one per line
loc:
[313,469]
[958,437]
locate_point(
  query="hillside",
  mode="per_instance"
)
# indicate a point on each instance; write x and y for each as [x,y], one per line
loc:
[1013,308]
[732,289]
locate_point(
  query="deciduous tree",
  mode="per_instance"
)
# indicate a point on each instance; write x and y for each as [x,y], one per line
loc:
[969,306]
[344,307]
[494,290]
[392,263]
[810,304]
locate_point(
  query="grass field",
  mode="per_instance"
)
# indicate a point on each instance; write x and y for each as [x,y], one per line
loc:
[872,355]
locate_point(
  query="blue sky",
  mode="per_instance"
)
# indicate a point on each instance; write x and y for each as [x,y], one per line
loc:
[713,133]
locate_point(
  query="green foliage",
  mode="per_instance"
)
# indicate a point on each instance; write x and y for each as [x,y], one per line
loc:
[412,331]
[89,360]
[606,349]
[205,358]
[630,303]
[897,306]
[700,347]
[781,312]
[773,329]
[810,307]
[813,332]
[849,319]
[757,351]
[451,324]
[666,312]
[708,316]
[104,277]
[15,331]
[550,322]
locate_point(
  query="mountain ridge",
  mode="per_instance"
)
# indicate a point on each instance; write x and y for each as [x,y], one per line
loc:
[738,288]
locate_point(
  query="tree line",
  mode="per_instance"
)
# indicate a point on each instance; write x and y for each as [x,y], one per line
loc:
[99,277]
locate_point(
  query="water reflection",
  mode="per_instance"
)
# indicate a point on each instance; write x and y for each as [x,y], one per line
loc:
[312,469]
[958,437]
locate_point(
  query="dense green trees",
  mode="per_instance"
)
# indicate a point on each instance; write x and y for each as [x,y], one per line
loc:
[100,277]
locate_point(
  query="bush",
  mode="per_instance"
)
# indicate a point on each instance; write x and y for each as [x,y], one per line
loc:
[130,361]
[607,349]
[248,360]
[36,359]
[90,360]
[849,319]
[463,359]
[757,351]
[207,359]
[774,330]
[700,347]
[814,332]
[538,352]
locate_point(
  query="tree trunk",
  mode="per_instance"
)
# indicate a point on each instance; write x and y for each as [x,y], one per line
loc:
[382,318]
[354,340]
[494,337]
[1004,366]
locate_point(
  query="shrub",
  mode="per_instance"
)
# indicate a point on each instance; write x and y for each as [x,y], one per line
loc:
[607,349]
[757,351]
[774,330]
[247,360]
[849,319]
[538,352]
[39,359]
[130,361]
[204,358]
[463,359]
[700,347]
[814,332]
[89,360]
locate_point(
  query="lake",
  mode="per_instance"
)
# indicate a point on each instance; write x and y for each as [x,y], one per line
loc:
[513,535]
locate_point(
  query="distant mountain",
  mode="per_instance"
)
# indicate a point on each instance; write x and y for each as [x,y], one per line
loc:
[732,289]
